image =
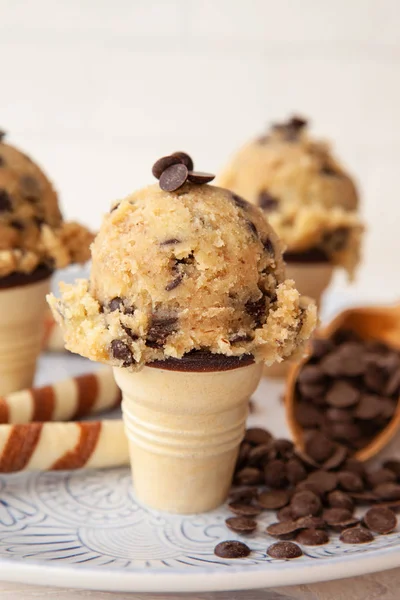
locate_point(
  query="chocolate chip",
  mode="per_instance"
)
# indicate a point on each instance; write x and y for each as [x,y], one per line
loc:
[283,529]
[161,327]
[342,395]
[231,549]
[257,454]
[380,476]
[282,448]
[311,374]
[295,471]
[266,201]
[257,435]
[249,476]
[312,537]
[336,516]
[115,304]
[350,482]
[284,550]
[274,499]
[269,247]
[340,415]
[185,159]
[308,415]
[240,202]
[393,465]
[324,480]
[252,227]
[236,338]
[285,514]
[5,201]
[319,447]
[121,351]
[163,163]
[17,225]
[355,466]
[241,524]
[199,177]
[329,170]
[356,535]
[244,494]
[321,347]
[275,474]
[305,503]
[256,309]
[387,491]
[174,283]
[380,520]
[339,499]
[337,458]
[364,497]
[170,242]
[244,510]
[173,177]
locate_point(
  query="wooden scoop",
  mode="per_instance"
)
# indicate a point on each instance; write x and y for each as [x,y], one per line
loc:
[379,323]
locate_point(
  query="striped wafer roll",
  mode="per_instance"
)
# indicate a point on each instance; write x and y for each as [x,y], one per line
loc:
[62,446]
[64,400]
[53,340]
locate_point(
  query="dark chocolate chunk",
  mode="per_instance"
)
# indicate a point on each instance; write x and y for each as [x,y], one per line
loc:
[312,537]
[324,480]
[172,178]
[161,327]
[116,304]
[174,283]
[241,524]
[231,549]
[339,499]
[295,471]
[350,482]
[236,338]
[185,159]
[356,535]
[284,550]
[199,177]
[319,447]
[269,247]
[380,520]
[266,201]
[337,458]
[121,351]
[256,309]
[170,242]
[5,201]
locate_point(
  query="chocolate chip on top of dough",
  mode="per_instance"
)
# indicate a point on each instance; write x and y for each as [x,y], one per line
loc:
[174,170]
[291,128]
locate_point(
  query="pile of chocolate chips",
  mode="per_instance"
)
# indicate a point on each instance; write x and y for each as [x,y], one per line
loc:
[310,501]
[174,170]
[348,390]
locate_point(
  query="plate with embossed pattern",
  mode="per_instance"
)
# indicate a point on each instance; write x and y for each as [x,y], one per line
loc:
[86,529]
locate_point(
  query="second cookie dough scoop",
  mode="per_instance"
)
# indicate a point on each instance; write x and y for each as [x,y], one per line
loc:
[187,299]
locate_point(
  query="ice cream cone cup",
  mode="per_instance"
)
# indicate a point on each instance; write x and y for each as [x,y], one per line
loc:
[311,280]
[184,428]
[22,309]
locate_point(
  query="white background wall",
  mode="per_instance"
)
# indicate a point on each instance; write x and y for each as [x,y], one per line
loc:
[96,90]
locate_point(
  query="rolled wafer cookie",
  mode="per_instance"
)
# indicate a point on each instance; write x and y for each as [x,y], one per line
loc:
[53,340]
[62,446]
[64,400]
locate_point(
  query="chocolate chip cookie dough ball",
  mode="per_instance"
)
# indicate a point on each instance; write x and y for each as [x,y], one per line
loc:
[182,265]
[32,232]
[309,198]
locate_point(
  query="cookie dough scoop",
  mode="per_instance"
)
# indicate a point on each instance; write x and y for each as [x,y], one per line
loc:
[34,240]
[187,299]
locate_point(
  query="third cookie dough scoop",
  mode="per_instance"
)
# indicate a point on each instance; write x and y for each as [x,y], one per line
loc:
[187,299]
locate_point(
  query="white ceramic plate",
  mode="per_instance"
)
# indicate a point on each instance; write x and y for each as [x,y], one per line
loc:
[85,529]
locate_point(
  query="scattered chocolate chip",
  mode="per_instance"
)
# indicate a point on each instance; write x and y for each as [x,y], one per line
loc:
[380,520]
[285,514]
[282,528]
[275,474]
[387,491]
[170,242]
[295,471]
[342,395]
[379,476]
[173,177]
[336,460]
[266,201]
[356,535]
[199,177]
[241,524]
[244,494]
[232,549]
[393,465]
[116,304]
[163,163]
[257,435]
[311,374]
[5,201]
[337,517]
[350,482]
[312,537]
[339,499]
[174,283]
[305,503]
[319,447]
[369,407]
[185,159]
[161,327]
[249,476]
[257,454]
[244,510]
[121,351]
[324,480]
[284,550]
[274,499]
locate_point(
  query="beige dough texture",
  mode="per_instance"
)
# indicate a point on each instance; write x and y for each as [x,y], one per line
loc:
[199,268]
[310,200]
[32,231]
